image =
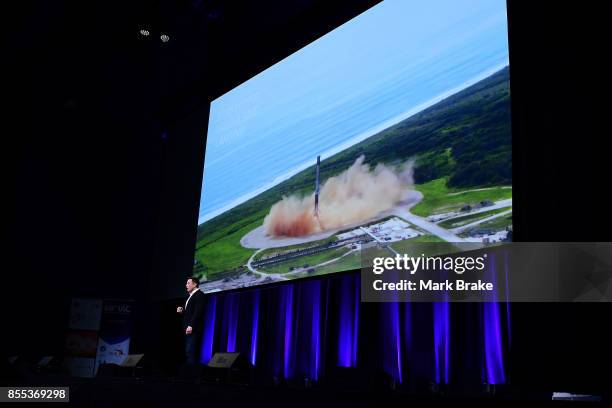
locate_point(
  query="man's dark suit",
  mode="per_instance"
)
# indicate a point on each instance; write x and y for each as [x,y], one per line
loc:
[193,316]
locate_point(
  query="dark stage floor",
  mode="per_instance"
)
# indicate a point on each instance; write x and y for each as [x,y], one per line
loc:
[164,392]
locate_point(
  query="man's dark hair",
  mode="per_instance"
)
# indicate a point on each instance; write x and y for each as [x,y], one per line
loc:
[194,280]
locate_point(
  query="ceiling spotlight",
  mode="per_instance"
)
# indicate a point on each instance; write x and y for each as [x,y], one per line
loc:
[144,33]
[164,38]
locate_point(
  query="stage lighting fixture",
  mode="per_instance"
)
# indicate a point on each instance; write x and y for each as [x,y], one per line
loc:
[144,33]
[164,38]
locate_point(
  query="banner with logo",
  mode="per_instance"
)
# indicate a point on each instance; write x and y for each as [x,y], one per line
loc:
[114,335]
[82,336]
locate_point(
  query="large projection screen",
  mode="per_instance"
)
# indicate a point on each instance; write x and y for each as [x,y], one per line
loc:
[393,128]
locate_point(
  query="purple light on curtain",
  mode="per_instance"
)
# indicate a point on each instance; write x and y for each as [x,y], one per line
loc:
[407,332]
[324,337]
[230,318]
[315,343]
[493,344]
[397,337]
[508,326]
[441,315]
[392,333]
[288,307]
[391,347]
[493,338]
[208,336]
[357,297]
[255,327]
[349,323]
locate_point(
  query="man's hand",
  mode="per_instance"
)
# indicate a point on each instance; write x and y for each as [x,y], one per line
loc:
[179,310]
[188,330]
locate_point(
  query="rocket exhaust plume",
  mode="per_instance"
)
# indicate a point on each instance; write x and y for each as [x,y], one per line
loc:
[357,194]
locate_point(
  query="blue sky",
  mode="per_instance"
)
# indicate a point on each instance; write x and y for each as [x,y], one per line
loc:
[382,66]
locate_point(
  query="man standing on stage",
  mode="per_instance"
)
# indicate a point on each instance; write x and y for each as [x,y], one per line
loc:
[193,313]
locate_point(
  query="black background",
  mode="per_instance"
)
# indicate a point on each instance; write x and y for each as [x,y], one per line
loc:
[103,141]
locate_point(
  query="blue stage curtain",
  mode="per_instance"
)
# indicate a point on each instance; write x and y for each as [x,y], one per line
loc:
[299,330]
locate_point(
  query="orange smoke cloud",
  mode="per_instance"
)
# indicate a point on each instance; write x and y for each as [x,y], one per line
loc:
[357,194]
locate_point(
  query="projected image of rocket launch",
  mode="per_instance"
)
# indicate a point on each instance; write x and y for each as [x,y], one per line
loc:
[355,195]
[405,139]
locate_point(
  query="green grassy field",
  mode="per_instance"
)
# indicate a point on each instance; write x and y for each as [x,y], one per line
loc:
[439,198]
[496,224]
[466,219]
[221,251]
[405,245]
[346,263]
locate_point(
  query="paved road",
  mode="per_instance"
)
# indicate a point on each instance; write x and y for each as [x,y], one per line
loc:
[263,275]
[427,225]
[449,235]
[498,204]
[251,261]
[480,221]
[404,212]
